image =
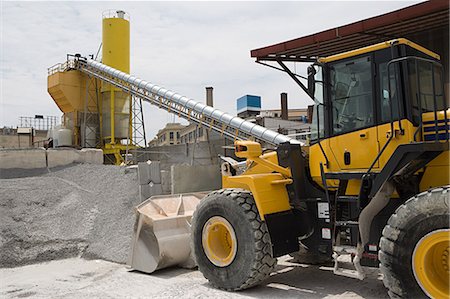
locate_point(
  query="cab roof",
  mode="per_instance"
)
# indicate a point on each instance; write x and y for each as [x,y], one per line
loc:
[379,46]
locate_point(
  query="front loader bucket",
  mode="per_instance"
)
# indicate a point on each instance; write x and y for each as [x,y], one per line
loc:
[162,231]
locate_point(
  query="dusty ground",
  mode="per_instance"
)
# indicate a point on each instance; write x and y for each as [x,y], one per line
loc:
[78,278]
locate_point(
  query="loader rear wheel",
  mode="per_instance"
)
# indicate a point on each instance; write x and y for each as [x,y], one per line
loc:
[231,243]
[415,247]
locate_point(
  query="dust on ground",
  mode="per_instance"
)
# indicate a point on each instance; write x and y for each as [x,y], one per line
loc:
[79,278]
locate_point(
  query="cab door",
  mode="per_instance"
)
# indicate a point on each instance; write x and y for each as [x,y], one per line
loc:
[354,139]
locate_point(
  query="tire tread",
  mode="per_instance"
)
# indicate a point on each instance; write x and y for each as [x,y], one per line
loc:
[264,263]
[393,242]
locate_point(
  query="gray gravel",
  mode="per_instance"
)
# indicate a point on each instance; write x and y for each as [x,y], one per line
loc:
[82,210]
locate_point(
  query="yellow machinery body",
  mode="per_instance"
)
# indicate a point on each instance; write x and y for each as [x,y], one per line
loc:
[77,94]
[366,144]
[374,179]
[116,42]
[289,187]
[68,90]
[115,119]
[264,178]
[267,183]
[434,175]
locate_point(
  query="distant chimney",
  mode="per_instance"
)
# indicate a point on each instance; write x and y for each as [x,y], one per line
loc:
[310,114]
[209,96]
[284,106]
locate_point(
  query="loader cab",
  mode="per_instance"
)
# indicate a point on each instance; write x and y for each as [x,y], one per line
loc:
[362,97]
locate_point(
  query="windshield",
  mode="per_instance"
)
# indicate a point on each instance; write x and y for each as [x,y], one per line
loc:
[317,125]
[351,95]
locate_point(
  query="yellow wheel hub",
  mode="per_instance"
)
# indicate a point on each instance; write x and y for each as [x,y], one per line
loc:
[431,263]
[219,241]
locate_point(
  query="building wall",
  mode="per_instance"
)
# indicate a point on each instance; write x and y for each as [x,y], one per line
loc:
[193,133]
[173,134]
[169,135]
[293,114]
[286,127]
[202,153]
[10,139]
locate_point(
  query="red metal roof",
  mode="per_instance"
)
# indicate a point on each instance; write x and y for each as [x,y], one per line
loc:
[400,23]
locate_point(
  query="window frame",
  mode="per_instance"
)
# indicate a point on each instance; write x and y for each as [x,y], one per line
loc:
[384,56]
[315,111]
[328,101]
[409,108]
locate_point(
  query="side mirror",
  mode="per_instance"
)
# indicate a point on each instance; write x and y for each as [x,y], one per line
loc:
[311,81]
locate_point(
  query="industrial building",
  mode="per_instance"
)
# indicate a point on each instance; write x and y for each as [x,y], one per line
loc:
[98,114]
[175,133]
[31,131]
[296,114]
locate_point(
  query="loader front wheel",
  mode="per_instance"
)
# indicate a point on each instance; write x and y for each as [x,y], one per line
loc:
[231,243]
[415,247]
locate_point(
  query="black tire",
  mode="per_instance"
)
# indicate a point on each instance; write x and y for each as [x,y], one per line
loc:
[420,215]
[253,261]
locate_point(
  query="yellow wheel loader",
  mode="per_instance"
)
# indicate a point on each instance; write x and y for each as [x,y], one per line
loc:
[373,183]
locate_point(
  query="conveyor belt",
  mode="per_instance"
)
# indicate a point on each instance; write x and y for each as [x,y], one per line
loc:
[232,127]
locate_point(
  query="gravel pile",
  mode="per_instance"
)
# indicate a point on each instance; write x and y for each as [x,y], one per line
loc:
[82,210]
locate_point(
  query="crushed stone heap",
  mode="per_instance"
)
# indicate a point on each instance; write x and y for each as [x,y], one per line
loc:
[81,210]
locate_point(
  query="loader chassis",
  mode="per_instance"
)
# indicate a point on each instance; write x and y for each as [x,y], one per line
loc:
[379,137]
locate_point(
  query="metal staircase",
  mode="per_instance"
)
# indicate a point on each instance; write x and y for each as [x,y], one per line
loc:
[229,126]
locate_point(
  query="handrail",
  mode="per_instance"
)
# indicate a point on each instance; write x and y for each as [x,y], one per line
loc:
[61,67]
[399,60]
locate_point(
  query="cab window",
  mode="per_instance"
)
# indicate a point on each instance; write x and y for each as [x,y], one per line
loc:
[318,120]
[388,98]
[421,87]
[351,95]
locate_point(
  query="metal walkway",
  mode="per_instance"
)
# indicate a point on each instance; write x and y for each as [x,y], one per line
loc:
[232,127]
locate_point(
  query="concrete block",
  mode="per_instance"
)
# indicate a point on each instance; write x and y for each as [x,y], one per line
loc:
[143,175]
[166,181]
[149,172]
[62,157]
[91,156]
[22,158]
[65,156]
[149,190]
[186,178]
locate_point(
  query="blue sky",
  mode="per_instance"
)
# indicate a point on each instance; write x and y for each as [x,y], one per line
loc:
[183,46]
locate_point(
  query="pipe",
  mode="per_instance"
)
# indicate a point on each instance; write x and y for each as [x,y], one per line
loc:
[376,204]
[209,96]
[226,119]
[284,106]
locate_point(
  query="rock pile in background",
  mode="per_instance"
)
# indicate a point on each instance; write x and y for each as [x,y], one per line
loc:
[81,210]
